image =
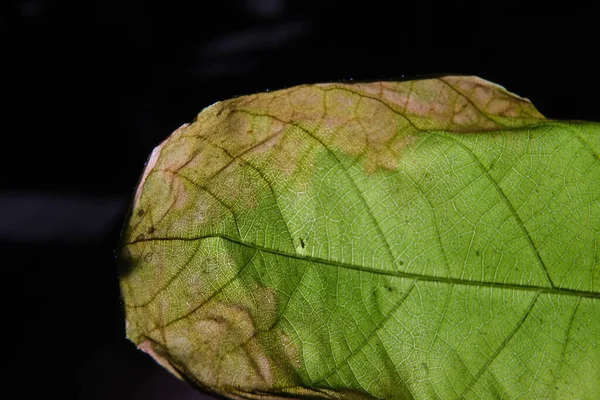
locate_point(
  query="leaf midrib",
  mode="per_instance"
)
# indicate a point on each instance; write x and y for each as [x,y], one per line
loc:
[399,274]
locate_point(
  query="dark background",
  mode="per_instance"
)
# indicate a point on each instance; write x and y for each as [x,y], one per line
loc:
[90,87]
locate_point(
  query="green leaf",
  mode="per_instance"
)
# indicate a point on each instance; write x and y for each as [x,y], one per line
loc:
[425,239]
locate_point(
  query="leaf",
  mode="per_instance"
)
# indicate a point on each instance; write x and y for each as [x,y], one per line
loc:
[426,239]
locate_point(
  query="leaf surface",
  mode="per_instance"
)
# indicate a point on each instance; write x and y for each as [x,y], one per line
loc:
[425,239]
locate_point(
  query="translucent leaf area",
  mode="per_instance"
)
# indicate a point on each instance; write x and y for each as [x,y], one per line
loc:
[427,239]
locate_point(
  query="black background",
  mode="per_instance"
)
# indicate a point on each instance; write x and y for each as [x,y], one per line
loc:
[90,87]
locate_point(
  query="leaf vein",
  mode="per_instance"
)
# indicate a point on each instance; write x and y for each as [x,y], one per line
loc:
[502,346]
[378,271]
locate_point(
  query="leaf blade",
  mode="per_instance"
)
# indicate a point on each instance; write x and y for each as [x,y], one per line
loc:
[318,240]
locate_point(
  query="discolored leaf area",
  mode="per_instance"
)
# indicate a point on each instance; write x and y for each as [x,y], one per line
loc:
[426,239]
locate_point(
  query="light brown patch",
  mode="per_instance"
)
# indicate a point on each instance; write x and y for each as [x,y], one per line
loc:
[227,343]
[374,122]
[291,350]
[493,99]
[159,354]
[151,163]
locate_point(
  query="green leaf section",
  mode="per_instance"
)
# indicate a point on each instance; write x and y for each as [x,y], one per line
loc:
[425,239]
